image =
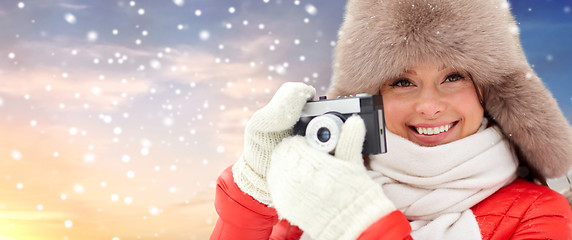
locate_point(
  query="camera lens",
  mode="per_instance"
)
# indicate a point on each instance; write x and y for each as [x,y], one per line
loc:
[324,134]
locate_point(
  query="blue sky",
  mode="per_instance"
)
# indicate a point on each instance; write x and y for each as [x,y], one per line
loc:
[117,116]
[546,33]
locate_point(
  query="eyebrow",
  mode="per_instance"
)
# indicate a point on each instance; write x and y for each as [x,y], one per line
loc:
[409,71]
[443,67]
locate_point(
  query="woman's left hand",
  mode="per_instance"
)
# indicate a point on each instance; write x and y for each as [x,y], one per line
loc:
[327,197]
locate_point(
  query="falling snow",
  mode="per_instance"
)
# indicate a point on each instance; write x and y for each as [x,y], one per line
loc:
[70,18]
[135,113]
[311,9]
[89,158]
[16,155]
[78,188]
[179,3]
[204,35]
[92,36]
[68,224]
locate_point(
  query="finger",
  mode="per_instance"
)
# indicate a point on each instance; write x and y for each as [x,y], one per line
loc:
[283,111]
[351,140]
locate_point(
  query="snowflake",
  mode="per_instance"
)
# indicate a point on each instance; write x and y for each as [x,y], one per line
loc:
[70,18]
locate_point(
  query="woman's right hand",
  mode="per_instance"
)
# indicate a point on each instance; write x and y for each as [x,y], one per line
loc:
[265,129]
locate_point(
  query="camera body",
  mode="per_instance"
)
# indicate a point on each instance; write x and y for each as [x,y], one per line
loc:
[321,121]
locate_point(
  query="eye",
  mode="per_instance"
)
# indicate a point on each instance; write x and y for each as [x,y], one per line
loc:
[402,82]
[454,77]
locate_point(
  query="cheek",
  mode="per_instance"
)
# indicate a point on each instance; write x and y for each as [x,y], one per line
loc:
[471,110]
[395,115]
[474,120]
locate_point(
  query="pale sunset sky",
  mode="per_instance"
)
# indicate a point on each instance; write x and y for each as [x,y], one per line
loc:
[117,116]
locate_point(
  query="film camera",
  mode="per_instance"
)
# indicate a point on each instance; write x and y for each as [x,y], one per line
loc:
[321,121]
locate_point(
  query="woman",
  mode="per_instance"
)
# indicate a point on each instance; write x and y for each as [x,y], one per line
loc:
[471,131]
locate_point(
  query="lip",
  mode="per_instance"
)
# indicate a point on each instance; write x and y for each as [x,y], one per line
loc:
[435,139]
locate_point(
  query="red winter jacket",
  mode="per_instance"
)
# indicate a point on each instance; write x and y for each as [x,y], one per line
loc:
[521,210]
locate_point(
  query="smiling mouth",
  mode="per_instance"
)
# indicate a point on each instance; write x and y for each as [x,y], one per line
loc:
[434,130]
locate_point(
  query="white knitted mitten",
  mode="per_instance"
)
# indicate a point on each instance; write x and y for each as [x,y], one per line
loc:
[327,197]
[265,129]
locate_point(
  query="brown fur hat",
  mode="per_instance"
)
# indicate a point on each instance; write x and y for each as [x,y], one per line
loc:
[380,39]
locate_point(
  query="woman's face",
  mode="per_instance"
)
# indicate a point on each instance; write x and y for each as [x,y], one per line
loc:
[432,105]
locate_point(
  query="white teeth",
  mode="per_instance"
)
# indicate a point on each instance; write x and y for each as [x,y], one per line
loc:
[433,131]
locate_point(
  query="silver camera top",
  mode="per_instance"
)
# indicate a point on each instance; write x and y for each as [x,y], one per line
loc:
[348,105]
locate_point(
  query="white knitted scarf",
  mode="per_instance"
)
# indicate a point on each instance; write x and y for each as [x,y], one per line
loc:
[435,187]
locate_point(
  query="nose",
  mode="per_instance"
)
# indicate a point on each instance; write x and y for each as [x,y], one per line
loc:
[430,103]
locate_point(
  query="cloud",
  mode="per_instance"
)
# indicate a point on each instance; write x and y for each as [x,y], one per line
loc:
[230,131]
[199,66]
[32,215]
[49,87]
[72,6]
[236,71]
[234,79]
[71,52]
[42,192]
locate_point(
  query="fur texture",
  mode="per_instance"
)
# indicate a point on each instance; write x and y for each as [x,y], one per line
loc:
[380,39]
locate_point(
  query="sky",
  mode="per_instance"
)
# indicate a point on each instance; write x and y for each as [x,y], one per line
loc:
[117,116]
